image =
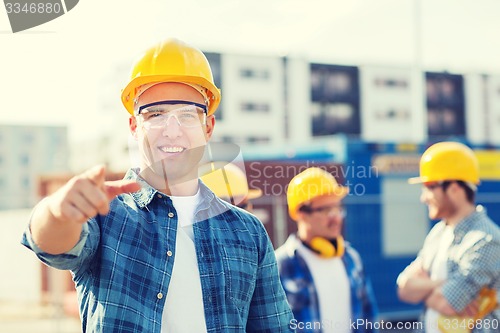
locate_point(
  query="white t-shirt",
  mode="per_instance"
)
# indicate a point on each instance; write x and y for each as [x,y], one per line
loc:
[333,290]
[439,271]
[184,311]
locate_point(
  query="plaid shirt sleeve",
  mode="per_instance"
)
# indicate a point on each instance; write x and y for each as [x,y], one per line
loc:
[475,264]
[363,303]
[269,310]
[76,258]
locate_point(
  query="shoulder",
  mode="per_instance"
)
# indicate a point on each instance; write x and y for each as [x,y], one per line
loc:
[481,229]
[489,227]
[238,217]
[350,250]
[290,263]
[353,254]
[286,253]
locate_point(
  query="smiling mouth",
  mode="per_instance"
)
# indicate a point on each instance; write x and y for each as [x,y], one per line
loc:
[172,149]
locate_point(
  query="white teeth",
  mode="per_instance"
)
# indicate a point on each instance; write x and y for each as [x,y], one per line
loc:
[171,149]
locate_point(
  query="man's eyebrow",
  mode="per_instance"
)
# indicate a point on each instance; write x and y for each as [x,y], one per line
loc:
[154,108]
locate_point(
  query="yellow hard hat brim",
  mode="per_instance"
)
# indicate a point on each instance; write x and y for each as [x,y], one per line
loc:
[254,194]
[416,180]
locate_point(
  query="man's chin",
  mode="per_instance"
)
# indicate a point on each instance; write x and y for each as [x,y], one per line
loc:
[434,215]
[330,235]
[170,173]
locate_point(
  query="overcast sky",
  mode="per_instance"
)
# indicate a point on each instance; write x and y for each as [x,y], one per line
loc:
[51,74]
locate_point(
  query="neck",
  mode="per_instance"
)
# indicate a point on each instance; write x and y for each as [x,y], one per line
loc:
[303,235]
[185,189]
[187,186]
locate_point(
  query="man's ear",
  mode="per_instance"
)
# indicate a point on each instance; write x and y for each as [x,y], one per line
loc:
[210,126]
[132,124]
[455,188]
[453,191]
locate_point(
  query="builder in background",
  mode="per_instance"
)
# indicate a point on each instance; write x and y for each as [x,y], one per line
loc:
[321,273]
[460,258]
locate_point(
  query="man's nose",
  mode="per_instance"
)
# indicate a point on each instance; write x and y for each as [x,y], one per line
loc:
[172,127]
[423,197]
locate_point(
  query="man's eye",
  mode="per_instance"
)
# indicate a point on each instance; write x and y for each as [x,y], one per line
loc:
[151,115]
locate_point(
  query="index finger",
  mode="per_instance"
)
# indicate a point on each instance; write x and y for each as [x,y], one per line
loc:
[116,187]
[96,174]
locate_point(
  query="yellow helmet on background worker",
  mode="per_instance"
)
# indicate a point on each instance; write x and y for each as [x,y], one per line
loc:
[309,184]
[448,161]
[228,181]
[172,61]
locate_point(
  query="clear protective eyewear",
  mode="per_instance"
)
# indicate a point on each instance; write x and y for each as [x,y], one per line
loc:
[188,114]
[330,210]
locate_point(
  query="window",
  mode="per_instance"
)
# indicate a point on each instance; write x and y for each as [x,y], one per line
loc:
[445,104]
[255,107]
[25,182]
[335,100]
[24,159]
[251,73]
[393,113]
[390,83]
[28,137]
[333,118]
[258,139]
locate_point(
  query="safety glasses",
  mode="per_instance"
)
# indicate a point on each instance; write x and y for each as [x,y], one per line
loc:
[330,210]
[187,114]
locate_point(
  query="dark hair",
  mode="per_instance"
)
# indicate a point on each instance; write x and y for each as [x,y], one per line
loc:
[469,192]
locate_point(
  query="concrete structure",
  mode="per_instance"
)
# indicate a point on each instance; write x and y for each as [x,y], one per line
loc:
[25,153]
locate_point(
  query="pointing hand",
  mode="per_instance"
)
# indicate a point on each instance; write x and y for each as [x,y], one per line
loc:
[87,195]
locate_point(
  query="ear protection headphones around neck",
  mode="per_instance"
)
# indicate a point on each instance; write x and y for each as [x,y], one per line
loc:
[327,248]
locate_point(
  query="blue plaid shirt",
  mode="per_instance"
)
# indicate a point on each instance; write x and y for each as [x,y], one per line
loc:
[299,286]
[123,263]
[473,263]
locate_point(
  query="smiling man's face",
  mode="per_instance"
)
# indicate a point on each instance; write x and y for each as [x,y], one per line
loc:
[170,153]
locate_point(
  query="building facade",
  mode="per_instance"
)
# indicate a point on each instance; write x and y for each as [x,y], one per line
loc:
[26,152]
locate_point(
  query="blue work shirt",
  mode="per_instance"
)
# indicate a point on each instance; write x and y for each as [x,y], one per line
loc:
[472,263]
[302,292]
[123,263]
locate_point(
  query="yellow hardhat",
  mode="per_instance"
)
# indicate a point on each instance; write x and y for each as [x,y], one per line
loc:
[309,184]
[171,61]
[229,182]
[448,161]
